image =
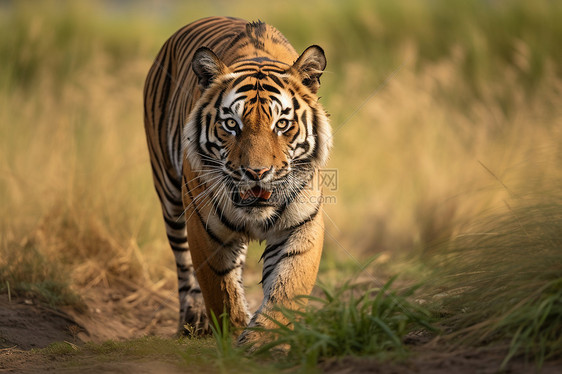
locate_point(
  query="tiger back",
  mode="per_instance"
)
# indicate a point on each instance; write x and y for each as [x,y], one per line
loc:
[236,138]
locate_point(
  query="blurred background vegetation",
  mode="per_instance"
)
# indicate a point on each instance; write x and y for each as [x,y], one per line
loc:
[447,122]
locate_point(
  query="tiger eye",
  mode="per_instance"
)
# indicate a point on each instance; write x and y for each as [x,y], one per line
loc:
[230,124]
[282,124]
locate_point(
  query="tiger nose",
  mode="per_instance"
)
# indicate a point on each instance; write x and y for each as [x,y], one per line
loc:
[255,174]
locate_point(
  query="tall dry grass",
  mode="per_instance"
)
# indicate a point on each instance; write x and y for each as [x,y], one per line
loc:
[424,168]
[76,184]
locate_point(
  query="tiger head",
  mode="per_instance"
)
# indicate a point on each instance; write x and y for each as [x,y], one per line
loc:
[257,134]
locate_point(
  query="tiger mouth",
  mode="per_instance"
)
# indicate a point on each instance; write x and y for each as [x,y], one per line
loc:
[255,193]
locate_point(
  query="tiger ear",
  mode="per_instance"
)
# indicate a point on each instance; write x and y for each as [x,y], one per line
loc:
[207,66]
[309,67]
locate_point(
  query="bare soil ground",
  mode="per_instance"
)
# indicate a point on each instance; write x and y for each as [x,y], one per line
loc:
[119,315]
[25,325]
[110,314]
[116,314]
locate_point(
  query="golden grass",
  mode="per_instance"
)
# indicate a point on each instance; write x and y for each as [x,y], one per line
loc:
[75,174]
[415,168]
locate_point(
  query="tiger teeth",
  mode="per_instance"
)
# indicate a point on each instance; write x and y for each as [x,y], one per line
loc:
[265,194]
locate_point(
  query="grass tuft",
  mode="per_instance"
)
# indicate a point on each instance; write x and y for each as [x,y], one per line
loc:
[353,319]
[227,352]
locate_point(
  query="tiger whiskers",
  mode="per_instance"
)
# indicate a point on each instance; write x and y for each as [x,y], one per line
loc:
[213,199]
[203,195]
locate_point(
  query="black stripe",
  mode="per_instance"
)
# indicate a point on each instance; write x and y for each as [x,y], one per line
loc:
[296,104]
[225,221]
[273,98]
[239,80]
[176,239]
[185,288]
[273,267]
[306,220]
[315,133]
[207,124]
[247,110]
[297,133]
[246,88]
[277,81]
[216,134]
[184,268]
[265,276]
[176,225]
[270,248]
[304,145]
[210,146]
[270,88]
[175,248]
[217,104]
[235,40]
[221,273]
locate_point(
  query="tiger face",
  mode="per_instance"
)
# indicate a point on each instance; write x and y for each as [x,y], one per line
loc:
[258,134]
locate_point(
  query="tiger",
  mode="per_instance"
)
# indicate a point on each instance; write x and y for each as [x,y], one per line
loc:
[236,138]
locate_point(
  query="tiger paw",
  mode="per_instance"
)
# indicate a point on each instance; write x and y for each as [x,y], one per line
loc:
[193,318]
[254,341]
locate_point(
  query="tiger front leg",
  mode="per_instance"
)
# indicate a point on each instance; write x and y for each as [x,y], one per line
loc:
[218,267]
[290,267]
